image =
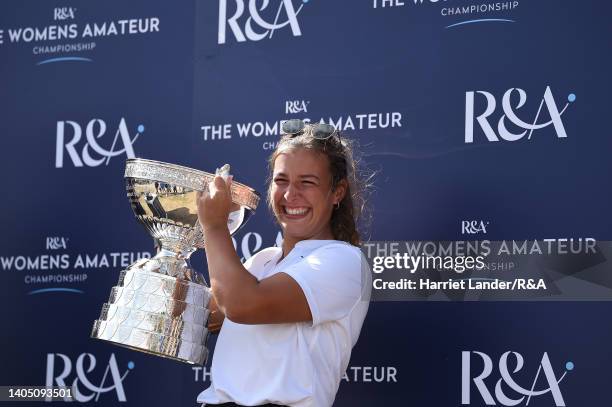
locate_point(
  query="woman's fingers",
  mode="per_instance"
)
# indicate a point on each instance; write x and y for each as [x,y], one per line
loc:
[230,179]
[214,203]
[219,183]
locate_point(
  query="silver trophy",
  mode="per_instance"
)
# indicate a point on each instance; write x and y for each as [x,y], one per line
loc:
[160,305]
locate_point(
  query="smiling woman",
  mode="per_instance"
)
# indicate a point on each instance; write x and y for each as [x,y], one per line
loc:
[290,315]
[301,195]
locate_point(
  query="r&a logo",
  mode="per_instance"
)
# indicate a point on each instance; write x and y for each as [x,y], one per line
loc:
[510,114]
[248,246]
[296,106]
[63,13]
[285,10]
[85,364]
[507,379]
[472,227]
[94,130]
[56,243]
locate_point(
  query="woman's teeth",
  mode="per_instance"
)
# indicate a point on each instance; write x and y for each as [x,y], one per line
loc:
[296,211]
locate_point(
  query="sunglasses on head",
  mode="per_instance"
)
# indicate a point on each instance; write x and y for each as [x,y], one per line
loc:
[320,131]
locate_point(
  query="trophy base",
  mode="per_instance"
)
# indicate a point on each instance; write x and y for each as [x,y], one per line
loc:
[152,343]
[156,313]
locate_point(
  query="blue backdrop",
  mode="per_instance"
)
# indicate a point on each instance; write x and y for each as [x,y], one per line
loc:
[487,111]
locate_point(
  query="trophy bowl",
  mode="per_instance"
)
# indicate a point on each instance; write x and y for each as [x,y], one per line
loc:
[160,305]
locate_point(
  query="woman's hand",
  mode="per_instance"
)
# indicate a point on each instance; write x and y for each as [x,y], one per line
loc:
[214,205]
[215,320]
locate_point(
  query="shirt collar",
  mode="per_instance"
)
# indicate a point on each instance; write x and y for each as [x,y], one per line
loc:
[314,243]
[306,246]
[302,248]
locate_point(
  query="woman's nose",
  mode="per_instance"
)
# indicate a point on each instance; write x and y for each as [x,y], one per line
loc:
[290,193]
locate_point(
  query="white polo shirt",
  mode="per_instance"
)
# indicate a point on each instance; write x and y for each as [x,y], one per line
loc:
[296,364]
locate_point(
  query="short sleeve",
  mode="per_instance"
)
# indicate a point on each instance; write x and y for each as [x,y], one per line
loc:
[256,263]
[331,279]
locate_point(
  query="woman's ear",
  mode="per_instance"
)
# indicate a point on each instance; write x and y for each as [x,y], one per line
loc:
[340,191]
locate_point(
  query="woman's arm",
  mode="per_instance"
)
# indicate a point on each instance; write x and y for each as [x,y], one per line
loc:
[278,299]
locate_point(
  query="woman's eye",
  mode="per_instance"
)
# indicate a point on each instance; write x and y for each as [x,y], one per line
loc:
[280,181]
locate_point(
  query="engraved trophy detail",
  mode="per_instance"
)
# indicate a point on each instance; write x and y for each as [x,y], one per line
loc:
[160,305]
